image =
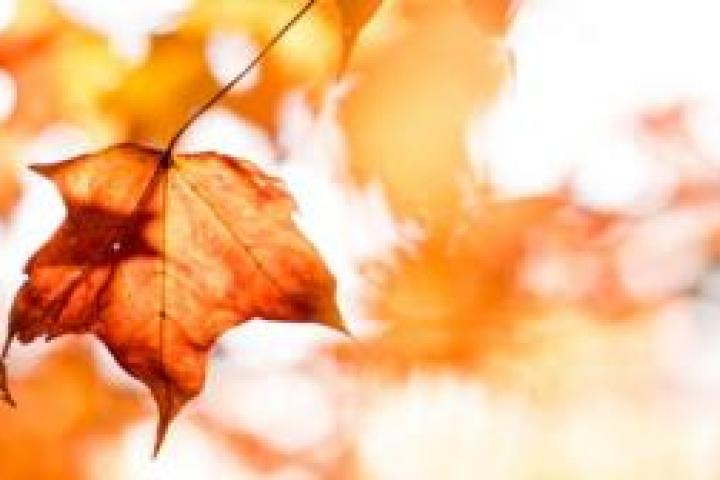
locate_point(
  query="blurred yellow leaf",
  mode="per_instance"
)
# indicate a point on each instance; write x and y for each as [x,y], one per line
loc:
[406,119]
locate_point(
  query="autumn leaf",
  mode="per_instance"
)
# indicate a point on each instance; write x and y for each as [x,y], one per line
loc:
[158,258]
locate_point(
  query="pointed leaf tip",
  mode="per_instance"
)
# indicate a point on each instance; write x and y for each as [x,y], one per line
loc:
[40,169]
[332,318]
[161,432]
[169,402]
[160,437]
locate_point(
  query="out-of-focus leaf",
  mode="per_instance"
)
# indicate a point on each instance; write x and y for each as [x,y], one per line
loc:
[30,61]
[460,298]
[406,120]
[65,407]
[61,74]
[158,261]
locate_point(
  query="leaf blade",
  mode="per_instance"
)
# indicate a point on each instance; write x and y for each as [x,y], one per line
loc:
[168,265]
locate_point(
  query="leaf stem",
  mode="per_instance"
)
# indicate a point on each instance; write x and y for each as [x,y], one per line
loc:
[167,154]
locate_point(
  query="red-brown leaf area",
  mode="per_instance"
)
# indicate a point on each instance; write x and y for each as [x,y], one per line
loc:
[67,408]
[158,261]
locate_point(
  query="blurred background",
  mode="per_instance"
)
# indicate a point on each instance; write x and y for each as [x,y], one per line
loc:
[520,201]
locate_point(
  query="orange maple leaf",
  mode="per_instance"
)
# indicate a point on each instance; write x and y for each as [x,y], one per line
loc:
[159,256]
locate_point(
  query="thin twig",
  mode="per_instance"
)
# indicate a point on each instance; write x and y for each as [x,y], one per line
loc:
[167,154]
